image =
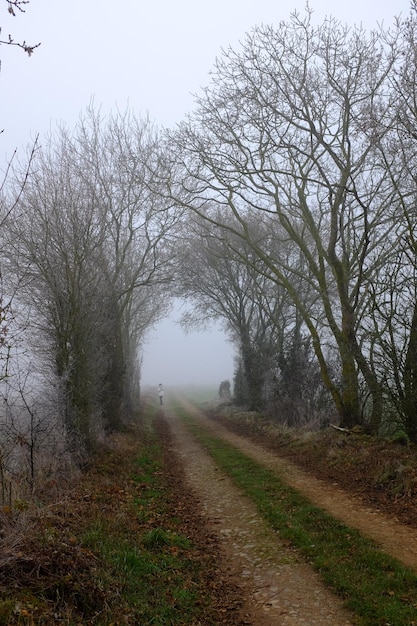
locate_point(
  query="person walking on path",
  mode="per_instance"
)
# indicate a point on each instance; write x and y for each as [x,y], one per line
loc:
[161,394]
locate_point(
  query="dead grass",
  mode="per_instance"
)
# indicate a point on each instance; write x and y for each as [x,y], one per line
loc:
[46,575]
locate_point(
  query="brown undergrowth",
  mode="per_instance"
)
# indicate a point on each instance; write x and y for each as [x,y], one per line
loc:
[48,575]
[383,473]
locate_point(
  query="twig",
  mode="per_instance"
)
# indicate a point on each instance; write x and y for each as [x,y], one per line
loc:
[343,430]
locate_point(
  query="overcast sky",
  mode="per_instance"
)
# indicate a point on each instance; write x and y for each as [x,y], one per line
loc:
[152,57]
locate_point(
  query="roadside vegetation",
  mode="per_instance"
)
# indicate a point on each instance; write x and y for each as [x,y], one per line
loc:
[123,546]
[125,543]
[374,585]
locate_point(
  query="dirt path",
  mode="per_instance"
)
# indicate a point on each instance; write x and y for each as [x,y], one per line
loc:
[282,590]
[396,539]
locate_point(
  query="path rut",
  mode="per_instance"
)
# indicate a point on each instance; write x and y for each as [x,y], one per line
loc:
[281,589]
[398,540]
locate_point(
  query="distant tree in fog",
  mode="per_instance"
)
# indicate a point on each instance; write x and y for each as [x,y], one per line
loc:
[225,280]
[221,276]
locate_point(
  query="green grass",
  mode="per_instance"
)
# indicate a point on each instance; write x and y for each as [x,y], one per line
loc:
[153,568]
[375,586]
[155,583]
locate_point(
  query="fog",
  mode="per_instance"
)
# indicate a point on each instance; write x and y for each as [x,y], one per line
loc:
[175,358]
[152,56]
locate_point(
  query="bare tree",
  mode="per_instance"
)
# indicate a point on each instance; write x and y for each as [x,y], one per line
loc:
[225,280]
[87,242]
[222,287]
[116,156]
[288,131]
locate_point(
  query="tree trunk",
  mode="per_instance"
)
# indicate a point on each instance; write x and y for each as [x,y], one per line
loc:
[253,374]
[350,414]
[409,403]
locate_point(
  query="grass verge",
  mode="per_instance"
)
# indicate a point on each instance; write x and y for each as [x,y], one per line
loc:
[375,586]
[124,546]
[150,559]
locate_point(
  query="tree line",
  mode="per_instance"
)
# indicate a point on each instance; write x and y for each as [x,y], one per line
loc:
[298,165]
[284,206]
[86,258]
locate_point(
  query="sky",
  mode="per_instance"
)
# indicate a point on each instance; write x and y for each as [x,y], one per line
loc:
[152,57]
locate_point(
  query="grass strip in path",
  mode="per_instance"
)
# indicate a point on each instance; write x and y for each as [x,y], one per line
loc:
[380,590]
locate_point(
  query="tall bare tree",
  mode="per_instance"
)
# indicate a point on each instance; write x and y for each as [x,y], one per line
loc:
[288,130]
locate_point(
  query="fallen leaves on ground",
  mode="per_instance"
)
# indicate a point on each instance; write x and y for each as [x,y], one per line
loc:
[47,576]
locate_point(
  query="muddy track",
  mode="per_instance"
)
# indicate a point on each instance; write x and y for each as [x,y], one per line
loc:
[279,587]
